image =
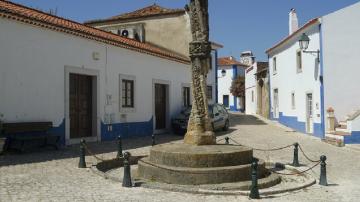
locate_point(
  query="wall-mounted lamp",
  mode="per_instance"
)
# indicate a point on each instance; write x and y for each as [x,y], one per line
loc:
[304,45]
[223,73]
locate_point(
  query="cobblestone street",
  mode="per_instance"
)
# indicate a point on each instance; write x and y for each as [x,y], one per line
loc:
[49,175]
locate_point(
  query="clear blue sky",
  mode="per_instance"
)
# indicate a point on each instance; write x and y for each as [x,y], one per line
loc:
[237,24]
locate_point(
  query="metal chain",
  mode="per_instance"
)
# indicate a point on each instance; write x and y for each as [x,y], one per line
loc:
[297,173]
[302,151]
[256,149]
[91,153]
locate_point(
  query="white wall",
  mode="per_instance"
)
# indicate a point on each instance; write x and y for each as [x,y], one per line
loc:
[341,51]
[224,84]
[250,89]
[287,80]
[32,74]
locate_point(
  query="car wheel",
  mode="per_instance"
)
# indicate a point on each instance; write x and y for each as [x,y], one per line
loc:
[226,126]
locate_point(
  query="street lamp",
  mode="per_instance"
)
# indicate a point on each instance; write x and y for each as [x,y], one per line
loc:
[304,45]
[223,73]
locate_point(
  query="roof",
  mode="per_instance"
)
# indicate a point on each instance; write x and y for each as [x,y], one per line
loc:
[38,18]
[308,24]
[228,61]
[150,11]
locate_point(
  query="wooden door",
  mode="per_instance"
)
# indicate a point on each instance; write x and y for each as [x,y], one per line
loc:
[160,106]
[80,106]
[226,100]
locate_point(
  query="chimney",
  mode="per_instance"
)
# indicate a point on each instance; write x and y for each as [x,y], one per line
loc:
[293,21]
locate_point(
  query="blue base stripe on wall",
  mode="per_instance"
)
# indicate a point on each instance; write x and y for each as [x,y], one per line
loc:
[126,130]
[292,122]
[354,138]
[60,130]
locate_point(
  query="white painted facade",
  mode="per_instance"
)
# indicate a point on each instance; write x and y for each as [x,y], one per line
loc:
[336,36]
[224,85]
[293,85]
[250,90]
[34,79]
[340,53]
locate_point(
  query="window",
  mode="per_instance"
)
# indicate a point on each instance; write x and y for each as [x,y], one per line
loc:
[298,61]
[293,100]
[274,65]
[186,96]
[252,96]
[209,92]
[226,100]
[127,93]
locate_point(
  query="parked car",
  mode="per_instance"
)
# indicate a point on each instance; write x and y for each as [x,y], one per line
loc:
[218,114]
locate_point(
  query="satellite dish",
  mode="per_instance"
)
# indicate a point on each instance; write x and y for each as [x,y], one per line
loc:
[125,33]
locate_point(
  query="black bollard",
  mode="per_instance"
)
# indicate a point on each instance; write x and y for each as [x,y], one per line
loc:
[227,140]
[254,190]
[296,155]
[119,153]
[82,163]
[323,178]
[153,140]
[127,174]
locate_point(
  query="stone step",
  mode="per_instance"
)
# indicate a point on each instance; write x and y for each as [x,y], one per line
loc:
[196,176]
[334,139]
[183,155]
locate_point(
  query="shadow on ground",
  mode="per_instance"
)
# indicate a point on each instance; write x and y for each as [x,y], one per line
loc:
[243,119]
[48,154]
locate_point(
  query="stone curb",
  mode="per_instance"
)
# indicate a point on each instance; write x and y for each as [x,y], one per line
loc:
[267,191]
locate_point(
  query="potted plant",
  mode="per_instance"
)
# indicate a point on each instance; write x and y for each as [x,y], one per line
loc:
[2,138]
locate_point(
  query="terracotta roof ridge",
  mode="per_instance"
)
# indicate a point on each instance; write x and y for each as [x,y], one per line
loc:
[140,13]
[39,18]
[310,22]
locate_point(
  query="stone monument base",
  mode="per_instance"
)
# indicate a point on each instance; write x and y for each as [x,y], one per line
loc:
[186,164]
[200,138]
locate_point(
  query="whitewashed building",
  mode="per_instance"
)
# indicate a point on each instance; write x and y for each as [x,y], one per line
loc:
[228,69]
[257,89]
[90,83]
[305,83]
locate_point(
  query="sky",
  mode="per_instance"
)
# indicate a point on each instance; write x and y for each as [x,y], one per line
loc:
[239,25]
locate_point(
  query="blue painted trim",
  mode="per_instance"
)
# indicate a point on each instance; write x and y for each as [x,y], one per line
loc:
[292,122]
[127,130]
[354,138]
[60,130]
[235,74]
[216,77]
[234,109]
[322,100]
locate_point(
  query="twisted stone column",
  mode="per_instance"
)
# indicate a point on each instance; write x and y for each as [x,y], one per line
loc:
[199,126]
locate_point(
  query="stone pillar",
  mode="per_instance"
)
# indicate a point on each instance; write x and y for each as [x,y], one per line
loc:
[199,131]
[330,120]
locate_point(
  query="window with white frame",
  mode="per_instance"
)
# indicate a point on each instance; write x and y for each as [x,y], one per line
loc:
[274,65]
[127,93]
[298,61]
[293,100]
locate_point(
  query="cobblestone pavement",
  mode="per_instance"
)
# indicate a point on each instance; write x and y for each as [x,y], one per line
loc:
[48,175]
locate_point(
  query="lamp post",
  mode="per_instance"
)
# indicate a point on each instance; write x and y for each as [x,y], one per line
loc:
[304,45]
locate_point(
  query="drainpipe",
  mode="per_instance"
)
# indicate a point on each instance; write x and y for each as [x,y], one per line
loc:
[322,83]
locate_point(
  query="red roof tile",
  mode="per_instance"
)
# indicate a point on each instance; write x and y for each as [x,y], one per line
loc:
[31,16]
[228,61]
[311,22]
[150,11]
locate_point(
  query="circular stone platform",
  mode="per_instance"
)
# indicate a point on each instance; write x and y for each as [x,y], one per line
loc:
[184,164]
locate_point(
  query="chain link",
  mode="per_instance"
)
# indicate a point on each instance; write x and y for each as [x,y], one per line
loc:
[302,151]
[91,153]
[256,149]
[297,173]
